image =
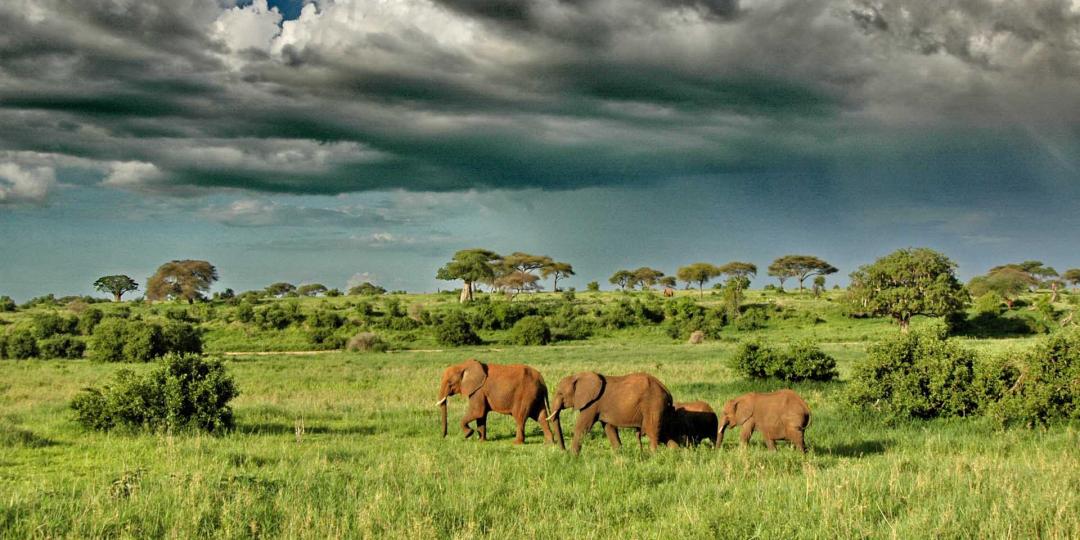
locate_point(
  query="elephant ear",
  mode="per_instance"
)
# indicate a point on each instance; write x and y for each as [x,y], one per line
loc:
[744,409]
[587,388]
[473,377]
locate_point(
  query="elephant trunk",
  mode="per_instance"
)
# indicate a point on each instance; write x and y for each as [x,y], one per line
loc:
[444,394]
[553,417]
[720,433]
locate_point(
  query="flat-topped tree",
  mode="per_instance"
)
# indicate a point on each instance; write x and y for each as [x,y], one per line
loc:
[116,285]
[906,283]
[517,282]
[280,289]
[1040,274]
[622,278]
[741,271]
[699,273]
[1007,281]
[799,267]
[311,289]
[645,277]
[1072,276]
[556,271]
[470,266]
[525,262]
[187,279]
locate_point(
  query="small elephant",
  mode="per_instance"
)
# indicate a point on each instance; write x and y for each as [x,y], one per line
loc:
[637,400]
[691,423]
[780,415]
[517,390]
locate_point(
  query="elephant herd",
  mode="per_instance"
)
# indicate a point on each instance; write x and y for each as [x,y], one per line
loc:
[637,400]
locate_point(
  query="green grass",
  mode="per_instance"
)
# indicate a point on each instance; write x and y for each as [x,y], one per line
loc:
[369,461]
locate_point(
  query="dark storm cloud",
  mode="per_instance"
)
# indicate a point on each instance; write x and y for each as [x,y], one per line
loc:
[171,97]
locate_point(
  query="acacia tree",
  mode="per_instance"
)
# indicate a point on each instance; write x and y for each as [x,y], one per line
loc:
[311,289]
[187,279]
[469,266]
[799,267]
[116,285]
[280,289]
[645,277]
[622,278]
[1072,275]
[906,283]
[699,273]
[557,271]
[668,281]
[517,282]
[1007,281]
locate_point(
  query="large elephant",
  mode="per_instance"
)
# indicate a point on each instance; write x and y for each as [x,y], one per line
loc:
[517,390]
[691,423]
[637,400]
[780,415]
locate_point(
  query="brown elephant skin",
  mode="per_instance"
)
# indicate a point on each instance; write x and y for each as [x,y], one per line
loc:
[637,400]
[780,415]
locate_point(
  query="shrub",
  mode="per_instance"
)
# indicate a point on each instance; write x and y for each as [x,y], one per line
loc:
[454,330]
[6,304]
[625,313]
[20,344]
[119,340]
[324,318]
[532,330]
[61,347]
[916,375]
[47,325]
[569,295]
[325,338]
[753,359]
[367,342]
[333,293]
[570,323]
[754,318]
[279,315]
[804,361]
[1043,388]
[245,312]
[990,303]
[592,286]
[88,320]
[184,392]
[684,316]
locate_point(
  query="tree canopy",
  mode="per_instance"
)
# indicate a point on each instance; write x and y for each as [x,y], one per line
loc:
[699,273]
[906,283]
[557,271]
[280,289]
[470,266]
[1072,276]
[186,279]
[1007,281]
[116,285]
[645,277]
[739,269]
[366,288]
[311,289]
[622,278]
[799,267]
[517,282]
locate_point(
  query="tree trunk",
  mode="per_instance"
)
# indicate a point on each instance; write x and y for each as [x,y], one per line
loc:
[466,293]
[905,325]
[116,297]
[555,284]
[701,289]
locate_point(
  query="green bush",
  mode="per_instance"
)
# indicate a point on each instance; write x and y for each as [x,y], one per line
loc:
[916,375]
[454,330]
[120,340]
[753,359]
[47,325]
[532,330]
[1044,387]
[684,316]
[279,315]
[325,338]
[367,342]
[990,303]
[184,392]
[7,304]
[245,312]
[754,318]
[20,344]
[625,313]
[88,320]
[61,347]
[570,323]
[325,318]
[803,361]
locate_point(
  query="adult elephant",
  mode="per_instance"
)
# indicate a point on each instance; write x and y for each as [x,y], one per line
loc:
[517,390]
[637,400]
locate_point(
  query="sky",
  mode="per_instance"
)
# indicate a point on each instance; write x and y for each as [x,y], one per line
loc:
[341,141]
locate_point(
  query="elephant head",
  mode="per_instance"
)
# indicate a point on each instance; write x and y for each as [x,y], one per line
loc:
[577,391]
[464,378]
[736,412]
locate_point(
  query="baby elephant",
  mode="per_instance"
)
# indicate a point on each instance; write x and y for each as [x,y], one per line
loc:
[777,415]
[690,423]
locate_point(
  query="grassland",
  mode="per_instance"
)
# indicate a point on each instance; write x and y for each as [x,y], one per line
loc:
[345,445]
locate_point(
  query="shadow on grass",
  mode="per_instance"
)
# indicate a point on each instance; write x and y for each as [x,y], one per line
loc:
[855,449]
[277,428]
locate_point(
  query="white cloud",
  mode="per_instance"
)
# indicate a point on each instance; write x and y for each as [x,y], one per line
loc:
[250,27]
[25,184]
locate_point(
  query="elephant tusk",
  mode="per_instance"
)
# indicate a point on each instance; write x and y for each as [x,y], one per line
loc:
[441,401]
[551,417]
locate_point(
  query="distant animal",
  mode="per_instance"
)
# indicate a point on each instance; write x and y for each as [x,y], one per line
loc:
[517,390]
[669,292]
[780,415]
[637,400]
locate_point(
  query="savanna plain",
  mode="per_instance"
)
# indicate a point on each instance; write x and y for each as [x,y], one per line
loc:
[339,444]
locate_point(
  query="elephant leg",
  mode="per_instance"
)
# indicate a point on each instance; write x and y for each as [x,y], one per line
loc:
[795,435]
[747,432]
[584,423]
[481,426]
[541,418]
[640,446]
[769,442]
[519,422]
[613,436]
[651,426]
